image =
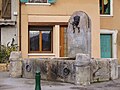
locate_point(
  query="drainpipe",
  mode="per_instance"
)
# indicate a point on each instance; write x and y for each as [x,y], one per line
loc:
[19,25]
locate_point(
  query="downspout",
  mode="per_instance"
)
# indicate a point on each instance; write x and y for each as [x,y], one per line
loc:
[19,25]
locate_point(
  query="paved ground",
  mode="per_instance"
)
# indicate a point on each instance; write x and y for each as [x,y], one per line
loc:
[7,83]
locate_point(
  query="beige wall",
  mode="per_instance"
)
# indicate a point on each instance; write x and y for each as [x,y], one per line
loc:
[62,9]
[113,23]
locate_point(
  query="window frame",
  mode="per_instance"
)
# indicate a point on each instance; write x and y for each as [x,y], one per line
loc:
[44,4]
[111,9]
[37,2]
[40,40]
[114,40]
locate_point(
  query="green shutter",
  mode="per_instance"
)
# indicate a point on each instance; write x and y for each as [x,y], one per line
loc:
[51,1]
[23,1]
[106,45]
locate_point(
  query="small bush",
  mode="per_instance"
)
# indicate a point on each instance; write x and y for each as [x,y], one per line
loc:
[6,50]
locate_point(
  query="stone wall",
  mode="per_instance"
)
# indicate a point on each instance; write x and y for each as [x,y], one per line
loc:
[81,70]
[103,69]
[55,69]
[70,70]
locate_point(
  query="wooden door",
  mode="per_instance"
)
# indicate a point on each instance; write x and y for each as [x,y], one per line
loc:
[63,41]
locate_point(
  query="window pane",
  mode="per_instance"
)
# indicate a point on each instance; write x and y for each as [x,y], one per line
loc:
[46,40]
[105,7]
[34,40]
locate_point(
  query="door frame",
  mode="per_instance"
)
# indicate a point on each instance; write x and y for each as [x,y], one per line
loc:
[114,40]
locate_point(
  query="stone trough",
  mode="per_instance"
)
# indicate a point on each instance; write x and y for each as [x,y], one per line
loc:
[80,70]
[55,69]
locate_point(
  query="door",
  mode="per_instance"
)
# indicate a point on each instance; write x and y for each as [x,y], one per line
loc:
[63,41]
[106,45]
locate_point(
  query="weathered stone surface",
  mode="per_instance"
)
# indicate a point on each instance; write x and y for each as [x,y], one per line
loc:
[118,71]
[66,71]
[15,55]
[79,41]
[113,69]
[55,69]
[42,66]
[16,68]
[82,75]
[82,65]
[82,59]
[81,71]
[29,68]
[100,70]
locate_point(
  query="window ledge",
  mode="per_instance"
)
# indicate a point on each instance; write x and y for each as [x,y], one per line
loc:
[39,4]
[106,15]
[41,54]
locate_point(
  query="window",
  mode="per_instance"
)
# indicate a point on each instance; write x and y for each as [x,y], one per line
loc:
[106,7]
[40,38]
[37,1]
[6,9]
[42,1]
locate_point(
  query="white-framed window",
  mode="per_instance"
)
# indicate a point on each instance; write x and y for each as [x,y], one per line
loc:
[106,7]
[40,2]
[40,39]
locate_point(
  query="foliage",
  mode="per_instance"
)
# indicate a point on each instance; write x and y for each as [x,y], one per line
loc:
[6,50]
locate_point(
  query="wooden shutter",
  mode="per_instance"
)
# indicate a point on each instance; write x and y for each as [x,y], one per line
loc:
[106,45]
[6,9]
[51,1]
[23,1]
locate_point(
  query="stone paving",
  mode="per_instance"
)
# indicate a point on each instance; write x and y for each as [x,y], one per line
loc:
[7,83]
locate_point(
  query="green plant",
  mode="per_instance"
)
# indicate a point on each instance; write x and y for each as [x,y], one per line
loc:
[6,50]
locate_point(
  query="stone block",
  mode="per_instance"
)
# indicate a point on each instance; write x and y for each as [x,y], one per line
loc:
[15,68]
[79,37]
[82,64]
[42,66]
[82,75]
[66,71]
[118,71]
[82,59]
[114,68]
[29,68]
[15,55]
[100,70]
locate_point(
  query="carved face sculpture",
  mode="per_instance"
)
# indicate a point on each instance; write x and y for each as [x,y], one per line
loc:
[76,20]
[75,23]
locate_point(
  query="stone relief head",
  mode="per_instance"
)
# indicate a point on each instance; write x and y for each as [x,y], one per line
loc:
[75,23]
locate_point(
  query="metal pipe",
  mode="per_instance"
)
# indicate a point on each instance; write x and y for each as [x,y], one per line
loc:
[38,81]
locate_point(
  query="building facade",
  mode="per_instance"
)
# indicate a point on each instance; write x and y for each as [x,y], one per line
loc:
[9,21]
[41,19]
[110,28]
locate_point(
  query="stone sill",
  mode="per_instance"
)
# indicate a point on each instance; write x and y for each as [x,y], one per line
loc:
[41,54]
[39,4]
[106,15]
